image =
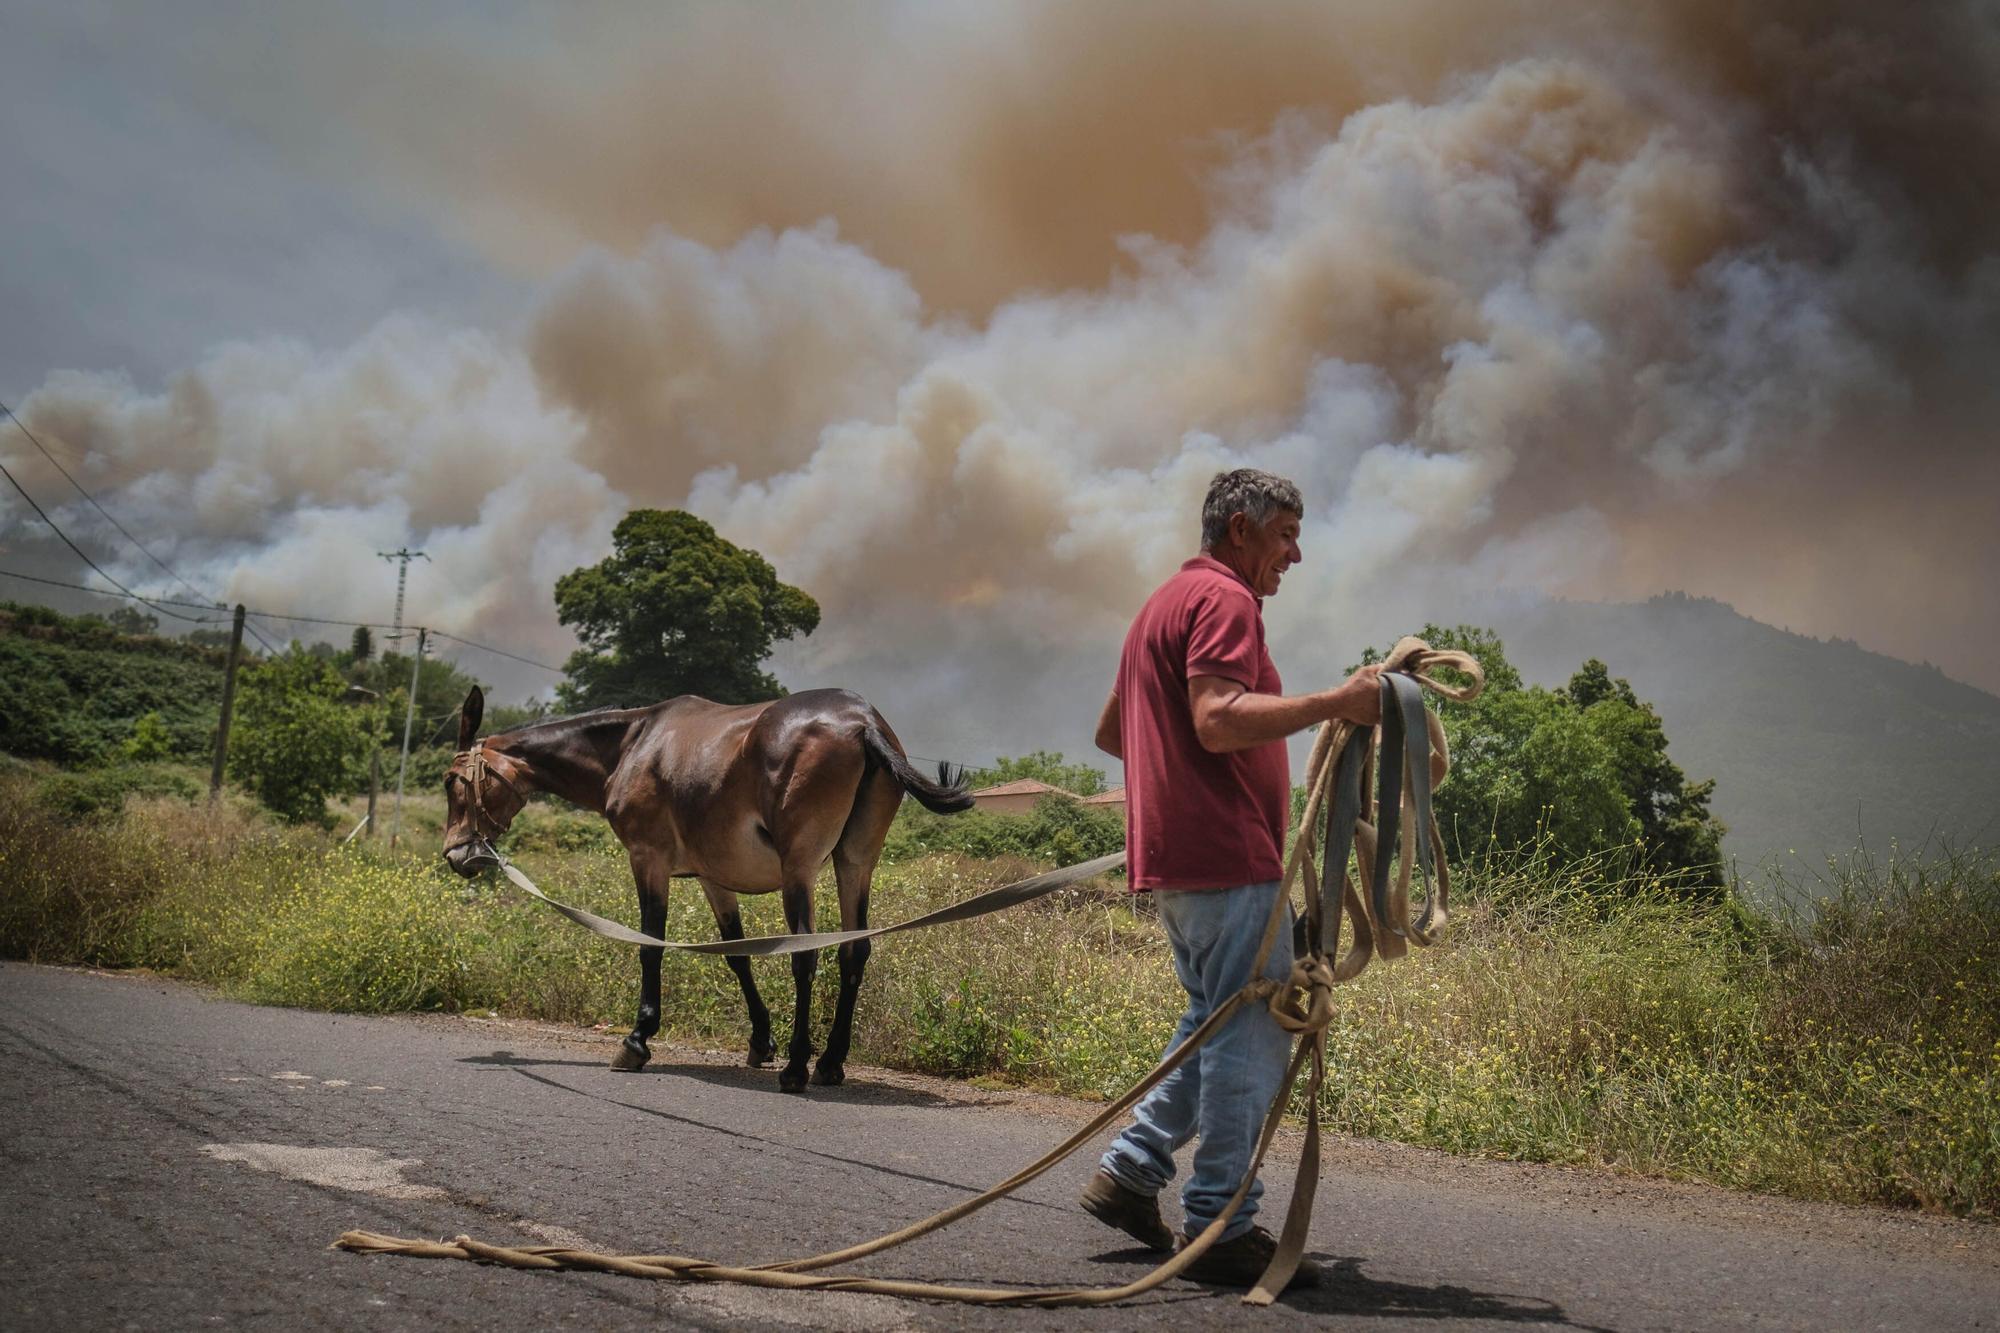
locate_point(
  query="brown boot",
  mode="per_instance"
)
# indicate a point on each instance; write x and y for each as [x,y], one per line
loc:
[1135,1214]
[1240,1262]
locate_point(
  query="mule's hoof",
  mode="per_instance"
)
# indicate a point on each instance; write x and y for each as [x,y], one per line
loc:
[761,1056]
[792,1080]
[631,1057]
[830,1076]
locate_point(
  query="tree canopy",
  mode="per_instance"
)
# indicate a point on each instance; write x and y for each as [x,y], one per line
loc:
[676,609]
[1043,766]
[292,739]
[1583,768]
[441,687]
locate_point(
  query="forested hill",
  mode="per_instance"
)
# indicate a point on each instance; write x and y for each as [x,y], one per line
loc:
[72,688]
[1815,745]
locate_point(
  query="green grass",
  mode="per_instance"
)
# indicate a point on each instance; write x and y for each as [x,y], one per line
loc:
[1570,1016]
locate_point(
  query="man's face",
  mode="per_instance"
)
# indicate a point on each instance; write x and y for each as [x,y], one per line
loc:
[1266,549]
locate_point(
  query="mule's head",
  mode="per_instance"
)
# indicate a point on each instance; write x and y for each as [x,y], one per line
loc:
[480,797]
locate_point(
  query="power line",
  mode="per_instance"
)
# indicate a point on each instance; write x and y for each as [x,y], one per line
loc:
[269,647]
[84,587]
[161,604]
[274,615]
[501,652]
[43,513]
[404,556]
[23,427]
[251,630]
[123,531]
[99,592]
[320,620]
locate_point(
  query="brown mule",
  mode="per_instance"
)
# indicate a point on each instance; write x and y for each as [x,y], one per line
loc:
[746,798]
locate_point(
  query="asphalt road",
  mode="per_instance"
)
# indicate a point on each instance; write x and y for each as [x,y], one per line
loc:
[176,1161]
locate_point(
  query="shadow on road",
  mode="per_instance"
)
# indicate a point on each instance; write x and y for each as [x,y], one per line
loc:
[506,1060]
[744,1079]
[1345,1289]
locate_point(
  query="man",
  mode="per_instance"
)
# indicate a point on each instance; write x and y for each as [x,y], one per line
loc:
[1199,718]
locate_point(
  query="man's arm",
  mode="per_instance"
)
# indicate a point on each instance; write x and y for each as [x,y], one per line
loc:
[1110,730]
[1228,717]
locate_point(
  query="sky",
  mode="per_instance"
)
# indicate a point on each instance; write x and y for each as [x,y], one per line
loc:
[953,310]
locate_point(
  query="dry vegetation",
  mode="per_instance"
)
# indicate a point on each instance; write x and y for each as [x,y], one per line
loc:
[1850,1054]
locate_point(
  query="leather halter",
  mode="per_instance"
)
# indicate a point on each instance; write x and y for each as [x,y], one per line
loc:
[473,766]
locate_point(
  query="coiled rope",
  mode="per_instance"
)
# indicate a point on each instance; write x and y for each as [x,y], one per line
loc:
[1412,759]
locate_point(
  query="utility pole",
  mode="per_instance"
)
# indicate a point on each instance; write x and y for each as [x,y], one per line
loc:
[409,721]
[374,755]
[228,703]
[403,558]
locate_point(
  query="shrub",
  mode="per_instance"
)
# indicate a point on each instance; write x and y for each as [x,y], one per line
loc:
[544,826]
[95,793]
[292,740]
[360,937]
[149,740]
[1058,831]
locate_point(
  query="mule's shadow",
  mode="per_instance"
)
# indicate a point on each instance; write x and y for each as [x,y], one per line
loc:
[507,1060]
[742,1078]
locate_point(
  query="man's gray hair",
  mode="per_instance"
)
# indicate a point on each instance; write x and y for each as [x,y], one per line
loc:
[1247,490]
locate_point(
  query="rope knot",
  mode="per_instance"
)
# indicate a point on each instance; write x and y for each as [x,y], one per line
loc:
[1303,1002]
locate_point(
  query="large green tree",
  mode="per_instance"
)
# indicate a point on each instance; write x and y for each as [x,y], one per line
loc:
[1583,769]
[1673,815]
[676,609]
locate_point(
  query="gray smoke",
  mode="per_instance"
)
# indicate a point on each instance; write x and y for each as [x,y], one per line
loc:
[956,327]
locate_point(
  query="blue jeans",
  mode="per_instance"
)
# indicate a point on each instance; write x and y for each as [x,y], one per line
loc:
[1224,1092]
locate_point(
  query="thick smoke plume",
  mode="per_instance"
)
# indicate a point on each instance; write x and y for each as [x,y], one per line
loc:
[953,319]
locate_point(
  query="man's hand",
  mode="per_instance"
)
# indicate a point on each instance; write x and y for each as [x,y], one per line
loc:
[1361,696]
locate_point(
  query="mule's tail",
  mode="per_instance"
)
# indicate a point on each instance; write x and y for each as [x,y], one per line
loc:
[946,796]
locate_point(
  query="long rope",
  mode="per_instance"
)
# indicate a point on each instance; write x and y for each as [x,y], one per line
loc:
[765,946]
[1302,1004]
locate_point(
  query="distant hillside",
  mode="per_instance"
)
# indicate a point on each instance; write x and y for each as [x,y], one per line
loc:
[1814,745]
[71,687]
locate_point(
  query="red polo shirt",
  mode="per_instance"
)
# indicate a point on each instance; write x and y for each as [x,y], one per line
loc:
[1194,819]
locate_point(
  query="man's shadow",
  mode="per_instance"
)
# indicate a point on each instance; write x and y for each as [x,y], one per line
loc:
[1345,1289]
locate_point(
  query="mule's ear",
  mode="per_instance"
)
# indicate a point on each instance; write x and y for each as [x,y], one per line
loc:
[468,717]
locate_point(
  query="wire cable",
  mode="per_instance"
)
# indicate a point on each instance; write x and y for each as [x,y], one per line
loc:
[23,427]
[43,513]
[84,587]
[211,618]
[500,652]
[251,630]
